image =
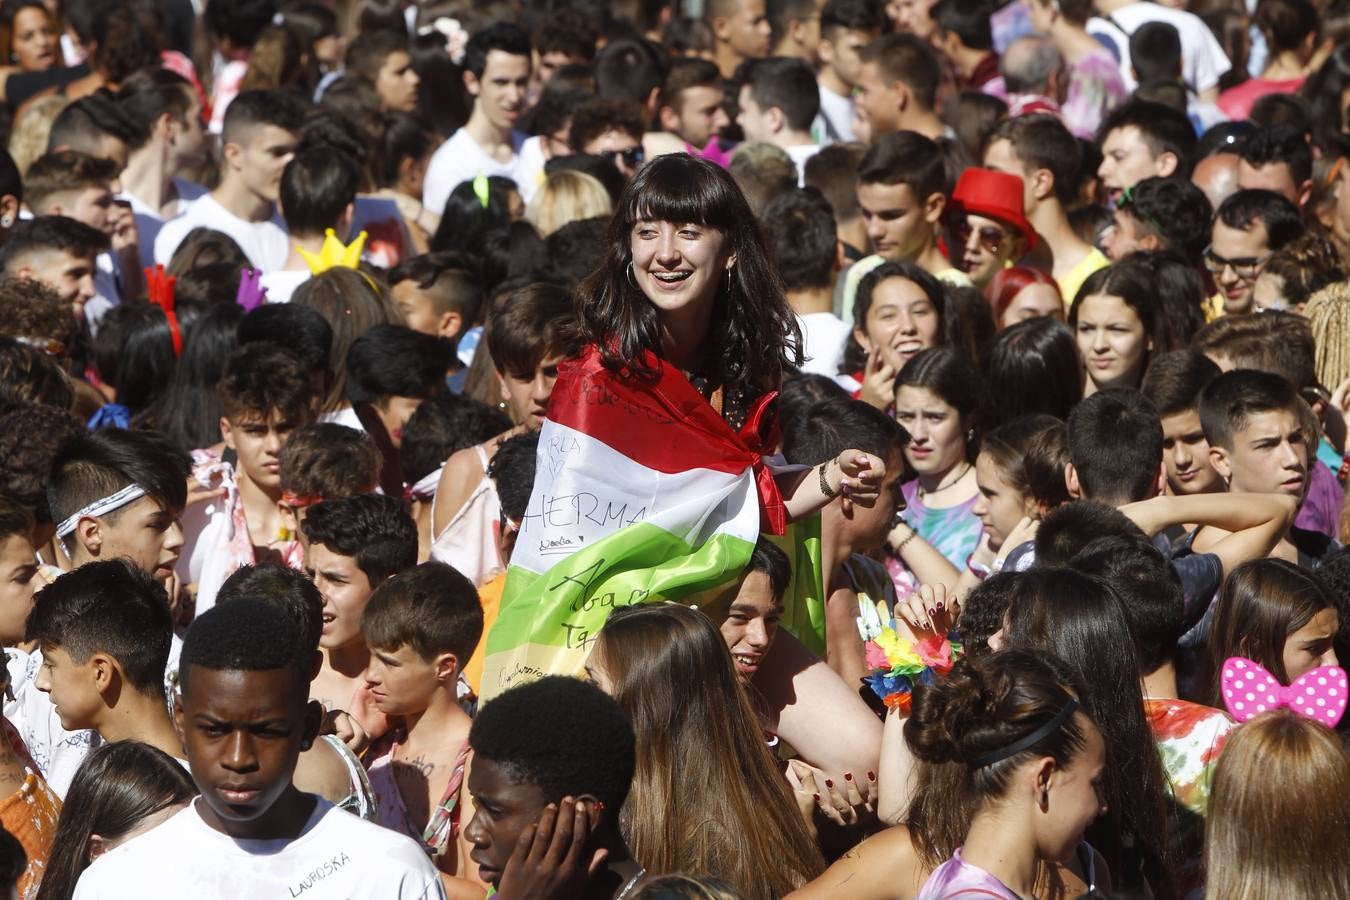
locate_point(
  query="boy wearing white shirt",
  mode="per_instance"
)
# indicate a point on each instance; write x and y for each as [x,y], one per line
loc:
[244,718]
[260,135]
[1203,59]
[497,74]
[778,103]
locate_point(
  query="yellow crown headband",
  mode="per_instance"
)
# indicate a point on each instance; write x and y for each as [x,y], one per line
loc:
[334,254]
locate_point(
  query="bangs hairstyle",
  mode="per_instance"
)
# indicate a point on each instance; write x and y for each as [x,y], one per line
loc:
[262,378]
[432,609]
[1030,453]
[372,529]
[1262,602]
[92,466]
[529,324]
[15,519]
[753,337]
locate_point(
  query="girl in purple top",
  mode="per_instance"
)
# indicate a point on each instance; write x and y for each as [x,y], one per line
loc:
[1034,760]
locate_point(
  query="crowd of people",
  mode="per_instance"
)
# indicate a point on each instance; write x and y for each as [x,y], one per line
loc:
[714,449]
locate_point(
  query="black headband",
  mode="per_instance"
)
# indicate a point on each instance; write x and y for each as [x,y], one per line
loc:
[1030,740]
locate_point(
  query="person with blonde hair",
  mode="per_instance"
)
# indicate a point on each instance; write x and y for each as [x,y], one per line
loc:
[564,197]
[1277,812]
[32,127]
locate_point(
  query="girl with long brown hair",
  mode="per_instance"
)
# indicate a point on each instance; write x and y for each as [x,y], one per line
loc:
[707,797]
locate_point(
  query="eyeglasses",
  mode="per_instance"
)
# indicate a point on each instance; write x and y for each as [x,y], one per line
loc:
[633,156]
[992,239]
[1245,267]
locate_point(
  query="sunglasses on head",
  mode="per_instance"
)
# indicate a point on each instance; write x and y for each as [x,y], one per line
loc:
[633,156]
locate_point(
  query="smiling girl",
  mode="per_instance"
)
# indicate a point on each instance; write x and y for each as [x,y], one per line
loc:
[1114,317]
[899,311]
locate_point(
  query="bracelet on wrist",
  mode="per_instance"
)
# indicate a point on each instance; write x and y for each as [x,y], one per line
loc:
[979,569]
[825,481]
[896,548]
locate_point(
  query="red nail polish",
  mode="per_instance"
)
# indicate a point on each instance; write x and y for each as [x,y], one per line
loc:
[871,776]
[829,783]
[848,776]
[817,796]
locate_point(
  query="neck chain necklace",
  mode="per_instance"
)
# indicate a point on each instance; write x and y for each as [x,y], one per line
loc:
[944,483]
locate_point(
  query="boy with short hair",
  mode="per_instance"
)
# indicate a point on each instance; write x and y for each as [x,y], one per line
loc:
[382,58]
[265,395]
[740,31]
[355,544]
[497,75]
[324,461]
[1256,425]
[1173,384]
[800,233]
[117,493]
[438,293]
[1041,150]
[318,188]
[422,626]
[748,612]
[962,31]
[897,87]
[259,138]
[902,191]
[690,109]
[59,251]
[105,632]
[67,183]
[244,680]
[546,751]
[846,27]
[778,105]
[1142,140]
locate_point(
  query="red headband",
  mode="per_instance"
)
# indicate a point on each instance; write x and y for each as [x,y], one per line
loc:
[299,501]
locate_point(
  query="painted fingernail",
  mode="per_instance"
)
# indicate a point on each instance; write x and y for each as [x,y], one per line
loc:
[817,797]
[829,783]
[848,776]
[871,776]
[940,606]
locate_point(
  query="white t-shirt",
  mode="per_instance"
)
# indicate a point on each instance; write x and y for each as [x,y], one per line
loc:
[800,154]
[149,221]
[266,244]
[282,283]
[462,159]
[1203,61]
[530,167]
[337,855]
[836,117]
[825,335]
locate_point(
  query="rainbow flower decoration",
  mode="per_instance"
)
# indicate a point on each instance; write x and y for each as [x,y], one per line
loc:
[898,664]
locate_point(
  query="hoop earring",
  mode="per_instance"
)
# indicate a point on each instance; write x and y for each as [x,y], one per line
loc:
[632,279]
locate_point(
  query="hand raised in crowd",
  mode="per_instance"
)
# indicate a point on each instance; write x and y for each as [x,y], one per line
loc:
[860,476]
[878,385]
[549,861]
[932,609]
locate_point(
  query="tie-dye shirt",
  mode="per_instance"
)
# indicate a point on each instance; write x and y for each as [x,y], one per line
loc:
[1190,738]
[954,531]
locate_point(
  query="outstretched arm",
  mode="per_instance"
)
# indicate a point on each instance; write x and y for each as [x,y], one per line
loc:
[1255,522]
[852,474]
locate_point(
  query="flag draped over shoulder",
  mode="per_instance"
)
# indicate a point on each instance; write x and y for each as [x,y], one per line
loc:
[642,492]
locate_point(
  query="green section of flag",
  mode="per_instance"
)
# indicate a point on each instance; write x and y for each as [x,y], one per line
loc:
[548,621]
[804,602]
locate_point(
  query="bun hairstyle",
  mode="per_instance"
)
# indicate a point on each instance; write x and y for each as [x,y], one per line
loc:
[993,713]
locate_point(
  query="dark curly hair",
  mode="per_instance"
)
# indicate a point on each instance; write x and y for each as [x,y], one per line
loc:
[753,338]
[373,529]
[29,377]
[562,735]
[29,438]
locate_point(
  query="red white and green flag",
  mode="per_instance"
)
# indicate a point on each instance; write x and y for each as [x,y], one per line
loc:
[642,493]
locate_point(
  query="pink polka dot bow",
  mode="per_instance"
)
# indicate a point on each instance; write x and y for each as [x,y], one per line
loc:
[1249,690]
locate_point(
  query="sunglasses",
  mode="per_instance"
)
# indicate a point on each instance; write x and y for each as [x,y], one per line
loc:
[992,239]
[1245,267]
[633,156]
